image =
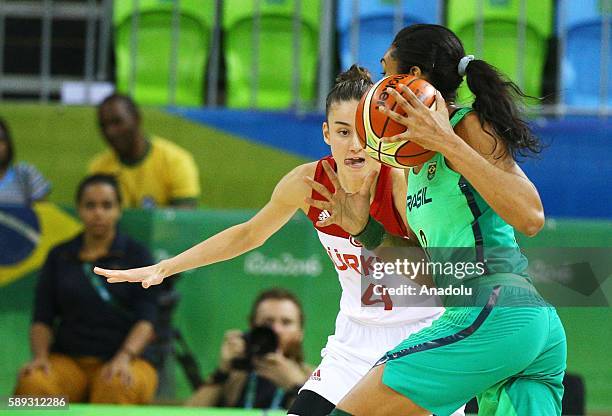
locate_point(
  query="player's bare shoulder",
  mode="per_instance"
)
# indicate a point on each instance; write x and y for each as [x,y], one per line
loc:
[483,139]
[292,189]
[470,126]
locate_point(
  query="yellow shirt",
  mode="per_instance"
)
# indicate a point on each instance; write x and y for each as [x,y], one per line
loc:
[166,173]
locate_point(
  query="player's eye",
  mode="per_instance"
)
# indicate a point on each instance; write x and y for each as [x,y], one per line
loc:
[343,132]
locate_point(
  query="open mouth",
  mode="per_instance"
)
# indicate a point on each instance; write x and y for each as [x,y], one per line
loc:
[354,162]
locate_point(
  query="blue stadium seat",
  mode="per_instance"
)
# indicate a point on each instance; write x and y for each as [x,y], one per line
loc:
[581,21]
[377,27]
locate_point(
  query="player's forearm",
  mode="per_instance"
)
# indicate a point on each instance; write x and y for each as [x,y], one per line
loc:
[511,196]
[40,339]
[225,245]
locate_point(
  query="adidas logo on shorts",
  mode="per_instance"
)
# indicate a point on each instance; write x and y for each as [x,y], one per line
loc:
[316,376]
[324,215]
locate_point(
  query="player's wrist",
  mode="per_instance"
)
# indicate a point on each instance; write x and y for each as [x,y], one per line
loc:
[165,268]
[372,234]
[454,147]
[359,228]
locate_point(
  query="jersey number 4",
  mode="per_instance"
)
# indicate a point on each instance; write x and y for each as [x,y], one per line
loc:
[384,298]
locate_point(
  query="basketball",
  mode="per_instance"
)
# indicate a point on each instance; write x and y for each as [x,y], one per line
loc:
[372,125]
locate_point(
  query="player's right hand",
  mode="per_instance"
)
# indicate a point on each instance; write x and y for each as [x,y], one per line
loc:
[146,276]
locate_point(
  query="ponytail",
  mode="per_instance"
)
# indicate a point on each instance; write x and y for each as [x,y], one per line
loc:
[496,105]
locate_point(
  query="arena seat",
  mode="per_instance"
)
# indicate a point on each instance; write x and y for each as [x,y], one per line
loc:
[271,69]
[377,27]
[581,22]
[501,37]
[154,50]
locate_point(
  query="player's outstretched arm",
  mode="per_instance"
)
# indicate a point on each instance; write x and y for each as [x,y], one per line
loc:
[287,197]
[349,211]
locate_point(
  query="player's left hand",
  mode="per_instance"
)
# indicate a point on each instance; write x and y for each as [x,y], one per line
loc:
[146,276]
[120,367]
[429,129]
[280,370]
[349,211]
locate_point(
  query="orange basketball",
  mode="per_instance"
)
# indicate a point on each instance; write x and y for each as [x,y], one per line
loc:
[372,125]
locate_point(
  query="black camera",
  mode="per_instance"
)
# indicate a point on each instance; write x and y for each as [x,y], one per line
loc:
[259,341]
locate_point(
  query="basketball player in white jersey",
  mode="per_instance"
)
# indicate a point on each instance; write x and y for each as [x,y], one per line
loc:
[362,334]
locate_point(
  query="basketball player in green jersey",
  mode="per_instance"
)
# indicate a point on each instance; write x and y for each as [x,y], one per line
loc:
[508,348]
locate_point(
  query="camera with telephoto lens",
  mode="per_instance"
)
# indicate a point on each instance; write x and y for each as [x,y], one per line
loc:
[259,341]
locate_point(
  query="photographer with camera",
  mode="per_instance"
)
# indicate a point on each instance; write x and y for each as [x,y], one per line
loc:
[263,368]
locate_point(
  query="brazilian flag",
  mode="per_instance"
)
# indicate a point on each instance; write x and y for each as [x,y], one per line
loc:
[27,234]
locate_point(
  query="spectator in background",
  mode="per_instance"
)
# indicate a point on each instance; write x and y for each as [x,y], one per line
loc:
[20,184]
[152,172]
[276,377]
[87,336]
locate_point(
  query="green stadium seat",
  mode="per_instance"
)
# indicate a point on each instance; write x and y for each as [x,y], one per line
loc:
[501,37]
[274,75]
[154,50]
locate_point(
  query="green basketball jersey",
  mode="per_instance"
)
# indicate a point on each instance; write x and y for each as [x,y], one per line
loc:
[446,213]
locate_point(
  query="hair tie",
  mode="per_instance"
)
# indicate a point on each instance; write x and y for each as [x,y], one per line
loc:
[463,63]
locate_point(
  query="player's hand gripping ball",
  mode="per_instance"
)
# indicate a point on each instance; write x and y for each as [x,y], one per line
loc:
[372,125]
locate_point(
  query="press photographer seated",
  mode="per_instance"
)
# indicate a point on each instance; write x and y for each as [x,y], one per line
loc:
[264,367]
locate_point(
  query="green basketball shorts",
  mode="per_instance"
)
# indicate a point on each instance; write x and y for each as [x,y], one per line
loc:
[512,358]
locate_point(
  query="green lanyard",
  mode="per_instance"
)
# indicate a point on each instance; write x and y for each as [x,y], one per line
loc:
[101,290]
[249,400]
[96,282]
